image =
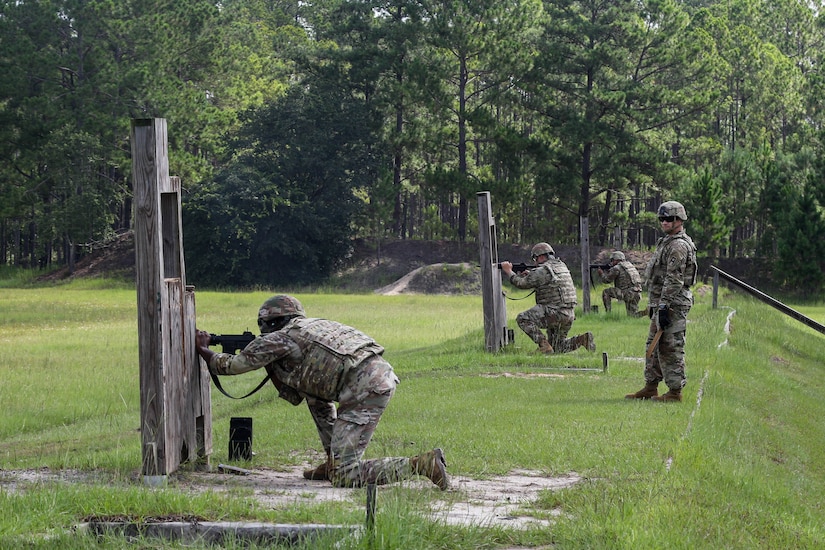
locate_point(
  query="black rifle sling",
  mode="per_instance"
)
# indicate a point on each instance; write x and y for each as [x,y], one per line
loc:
[522,298]
[223,391]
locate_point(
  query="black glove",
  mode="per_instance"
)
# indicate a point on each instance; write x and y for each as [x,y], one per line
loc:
[664,317]
[650,311]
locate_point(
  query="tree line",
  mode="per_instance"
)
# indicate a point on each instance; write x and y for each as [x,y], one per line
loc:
[298,126]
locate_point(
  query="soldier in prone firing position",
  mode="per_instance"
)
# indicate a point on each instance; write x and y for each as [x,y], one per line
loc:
[323,362]
[627,284]
[555,302]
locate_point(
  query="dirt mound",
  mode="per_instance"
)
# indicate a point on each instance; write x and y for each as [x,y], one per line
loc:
[381,266]
[114,258]
[462,278]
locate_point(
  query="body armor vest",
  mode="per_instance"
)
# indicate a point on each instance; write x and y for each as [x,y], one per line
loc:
[629,278]
[658,270]
[558,290]
[329,350]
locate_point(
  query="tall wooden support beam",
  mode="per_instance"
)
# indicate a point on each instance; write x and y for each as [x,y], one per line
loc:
[584,232]
[495,309]
[175,406]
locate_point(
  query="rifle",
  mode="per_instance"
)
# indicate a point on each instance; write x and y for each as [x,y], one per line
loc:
[230,343]
[603,267]
[518,268]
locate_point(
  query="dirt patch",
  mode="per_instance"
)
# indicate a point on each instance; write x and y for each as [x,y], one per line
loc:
[461,278]
[114,258]
[502,501]
[528,375]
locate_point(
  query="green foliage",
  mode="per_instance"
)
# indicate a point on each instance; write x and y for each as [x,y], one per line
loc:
[75,72]
[741,175]
[559,108]
[703,199]
[801,246]
[602,76]
[281,211]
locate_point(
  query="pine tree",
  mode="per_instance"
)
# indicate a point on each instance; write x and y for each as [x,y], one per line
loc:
[801,246]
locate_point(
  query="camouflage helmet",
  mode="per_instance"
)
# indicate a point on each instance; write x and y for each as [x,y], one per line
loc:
[672,208]
[280,305]
[541,248]
[617,255]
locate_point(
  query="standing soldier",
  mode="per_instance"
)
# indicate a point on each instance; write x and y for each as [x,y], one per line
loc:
[324,362]
[627,284]
[555,302]
[670,274]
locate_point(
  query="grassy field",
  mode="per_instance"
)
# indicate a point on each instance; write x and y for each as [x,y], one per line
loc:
[738,464]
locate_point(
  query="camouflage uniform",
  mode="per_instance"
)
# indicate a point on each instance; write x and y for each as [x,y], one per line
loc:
[555,302]
[324,362]
[627,287]
[670,274]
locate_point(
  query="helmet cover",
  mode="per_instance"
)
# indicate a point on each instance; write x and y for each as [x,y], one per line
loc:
[541,248]
[672,208]
[280,305]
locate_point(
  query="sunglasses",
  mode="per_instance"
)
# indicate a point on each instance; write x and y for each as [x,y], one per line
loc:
[270,324]
[667,218]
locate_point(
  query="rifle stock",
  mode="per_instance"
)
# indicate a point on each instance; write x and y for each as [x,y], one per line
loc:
[653,343]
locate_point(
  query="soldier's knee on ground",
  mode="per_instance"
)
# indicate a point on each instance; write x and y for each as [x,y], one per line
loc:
[344,475]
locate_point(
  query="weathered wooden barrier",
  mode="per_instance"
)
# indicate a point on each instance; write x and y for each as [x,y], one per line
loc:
[495,310]
[175,409]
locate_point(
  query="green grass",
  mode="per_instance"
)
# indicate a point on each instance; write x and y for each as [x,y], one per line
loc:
[739,464]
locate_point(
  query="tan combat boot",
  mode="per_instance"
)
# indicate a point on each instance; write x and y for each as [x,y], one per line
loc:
[648,392]
[319,473]
[545,347]
[433,466]
[671,395]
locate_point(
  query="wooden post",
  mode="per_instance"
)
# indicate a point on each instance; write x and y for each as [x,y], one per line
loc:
[175,406]
[495,309]
[372,495]
[584,232]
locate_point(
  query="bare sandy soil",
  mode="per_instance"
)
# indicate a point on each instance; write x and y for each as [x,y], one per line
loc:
[503,501]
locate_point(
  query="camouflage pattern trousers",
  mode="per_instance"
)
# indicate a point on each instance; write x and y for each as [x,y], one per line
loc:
[556,321]
[630,298]
[346,431]
[668,359]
